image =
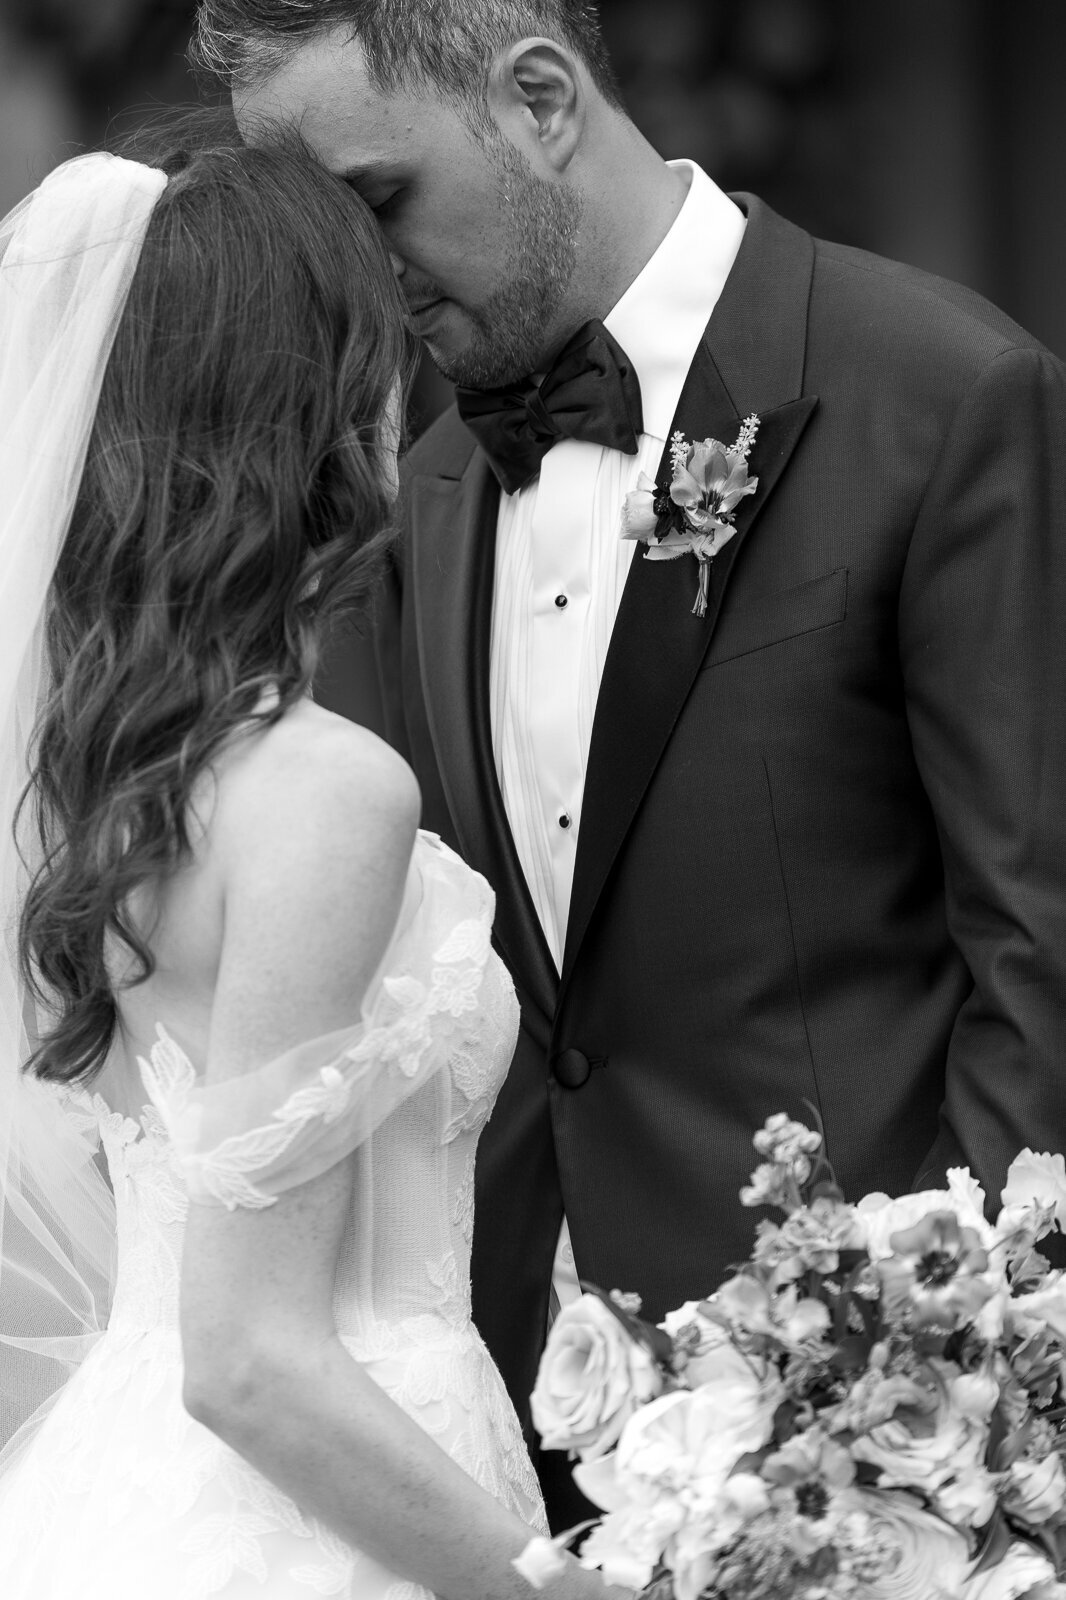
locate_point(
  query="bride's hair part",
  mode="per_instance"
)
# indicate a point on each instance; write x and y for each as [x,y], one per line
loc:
[406,44]
[235,499]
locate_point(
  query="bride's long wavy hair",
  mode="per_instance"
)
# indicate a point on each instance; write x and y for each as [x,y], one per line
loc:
[235,499]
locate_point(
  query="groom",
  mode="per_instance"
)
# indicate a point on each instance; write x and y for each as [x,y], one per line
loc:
[805,850]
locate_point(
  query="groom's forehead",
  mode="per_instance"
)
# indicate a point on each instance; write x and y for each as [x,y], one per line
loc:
[323,89]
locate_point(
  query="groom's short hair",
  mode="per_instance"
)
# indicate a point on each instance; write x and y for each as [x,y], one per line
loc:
[406,44]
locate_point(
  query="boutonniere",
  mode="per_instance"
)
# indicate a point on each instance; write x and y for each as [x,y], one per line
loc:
[693,514]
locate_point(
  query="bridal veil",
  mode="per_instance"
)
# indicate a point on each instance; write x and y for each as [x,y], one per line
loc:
[67,257]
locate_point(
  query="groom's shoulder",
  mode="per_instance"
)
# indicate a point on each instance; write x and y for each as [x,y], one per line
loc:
[903,312]
[443,451]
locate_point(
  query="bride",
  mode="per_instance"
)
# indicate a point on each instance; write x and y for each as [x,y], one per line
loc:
[246,987]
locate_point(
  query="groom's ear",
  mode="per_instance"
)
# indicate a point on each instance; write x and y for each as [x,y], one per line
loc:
[538,96]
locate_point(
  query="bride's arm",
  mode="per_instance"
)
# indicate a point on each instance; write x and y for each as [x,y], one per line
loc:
[312,859]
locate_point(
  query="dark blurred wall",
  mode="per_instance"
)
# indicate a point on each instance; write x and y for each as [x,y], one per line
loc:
[929,130]
[932,131]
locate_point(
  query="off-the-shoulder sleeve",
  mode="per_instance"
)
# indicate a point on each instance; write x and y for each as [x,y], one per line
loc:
[244,1140]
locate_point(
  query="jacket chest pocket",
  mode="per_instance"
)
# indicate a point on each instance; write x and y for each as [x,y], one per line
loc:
[783,614]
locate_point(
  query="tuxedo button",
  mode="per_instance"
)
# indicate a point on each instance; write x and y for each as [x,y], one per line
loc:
[571,1069]
[561,601]
[565,819]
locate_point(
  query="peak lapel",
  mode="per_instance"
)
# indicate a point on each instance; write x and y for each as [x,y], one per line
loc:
[453,526]
[750,360]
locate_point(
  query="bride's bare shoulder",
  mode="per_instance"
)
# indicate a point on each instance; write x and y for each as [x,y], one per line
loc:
[313,789]
[309,850]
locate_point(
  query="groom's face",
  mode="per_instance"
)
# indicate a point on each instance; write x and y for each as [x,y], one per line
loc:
[483,247]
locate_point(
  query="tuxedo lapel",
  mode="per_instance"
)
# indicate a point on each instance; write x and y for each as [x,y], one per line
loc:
[750,360]
[453,525]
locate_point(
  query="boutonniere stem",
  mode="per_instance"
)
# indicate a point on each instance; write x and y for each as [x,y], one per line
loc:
[695,513]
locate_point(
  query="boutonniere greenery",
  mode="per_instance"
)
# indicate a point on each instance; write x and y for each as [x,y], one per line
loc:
[693,514]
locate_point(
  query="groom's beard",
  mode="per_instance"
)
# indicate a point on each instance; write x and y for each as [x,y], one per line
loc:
[542,220]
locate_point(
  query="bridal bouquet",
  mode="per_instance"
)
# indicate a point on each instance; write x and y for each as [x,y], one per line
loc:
[872,1406]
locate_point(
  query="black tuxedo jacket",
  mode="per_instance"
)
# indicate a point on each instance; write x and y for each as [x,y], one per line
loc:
[822,856]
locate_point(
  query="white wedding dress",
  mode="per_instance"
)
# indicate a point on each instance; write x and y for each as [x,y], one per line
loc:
[121,1495]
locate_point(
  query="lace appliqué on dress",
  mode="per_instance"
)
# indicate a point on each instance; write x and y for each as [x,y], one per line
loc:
[394,1047]
[120,1459]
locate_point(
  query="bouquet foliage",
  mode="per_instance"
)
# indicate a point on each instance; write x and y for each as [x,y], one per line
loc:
[871,1406]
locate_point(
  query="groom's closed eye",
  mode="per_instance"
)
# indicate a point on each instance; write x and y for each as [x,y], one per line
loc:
[377,201]
[380,190]
[383,205]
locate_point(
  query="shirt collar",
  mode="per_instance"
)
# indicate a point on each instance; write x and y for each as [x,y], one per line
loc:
[661,318]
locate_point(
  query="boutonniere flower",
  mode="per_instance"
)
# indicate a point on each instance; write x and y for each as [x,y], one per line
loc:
[694,514]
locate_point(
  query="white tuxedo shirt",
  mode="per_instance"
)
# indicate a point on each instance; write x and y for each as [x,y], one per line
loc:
[561,566]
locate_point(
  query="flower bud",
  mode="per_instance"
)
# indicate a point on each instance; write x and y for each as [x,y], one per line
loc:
[540,1562]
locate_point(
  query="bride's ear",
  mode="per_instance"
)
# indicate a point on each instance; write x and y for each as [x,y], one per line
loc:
[538,95]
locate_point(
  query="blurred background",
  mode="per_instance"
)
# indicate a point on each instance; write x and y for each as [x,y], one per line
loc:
[932,131]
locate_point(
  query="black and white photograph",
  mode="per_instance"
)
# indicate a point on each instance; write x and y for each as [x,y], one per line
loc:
[532,800]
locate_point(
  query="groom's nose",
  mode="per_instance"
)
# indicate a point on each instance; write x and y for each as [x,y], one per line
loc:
[398,263]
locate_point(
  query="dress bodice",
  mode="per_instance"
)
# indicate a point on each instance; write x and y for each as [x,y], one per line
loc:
[403,1096]
[120,1481]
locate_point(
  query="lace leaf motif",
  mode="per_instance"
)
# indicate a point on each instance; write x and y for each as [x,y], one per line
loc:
[170,1079]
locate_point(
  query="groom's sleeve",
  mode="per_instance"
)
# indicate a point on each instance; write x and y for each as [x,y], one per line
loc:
[982,638]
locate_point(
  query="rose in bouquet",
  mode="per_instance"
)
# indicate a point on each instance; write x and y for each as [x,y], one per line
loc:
[871,1406]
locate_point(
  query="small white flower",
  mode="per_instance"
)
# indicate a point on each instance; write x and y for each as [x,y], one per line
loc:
[1036,1490]
[1046,1304]
[639,516]
[540,1562]
[627,1544]
[782,1139]
[1039,1179]
[974,1395]
[1021,1572]
[968,1499]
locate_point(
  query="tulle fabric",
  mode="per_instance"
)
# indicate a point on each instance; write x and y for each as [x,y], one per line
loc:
[67,257]
[245,1139]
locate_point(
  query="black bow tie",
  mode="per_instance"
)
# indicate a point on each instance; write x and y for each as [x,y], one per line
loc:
[591,392]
